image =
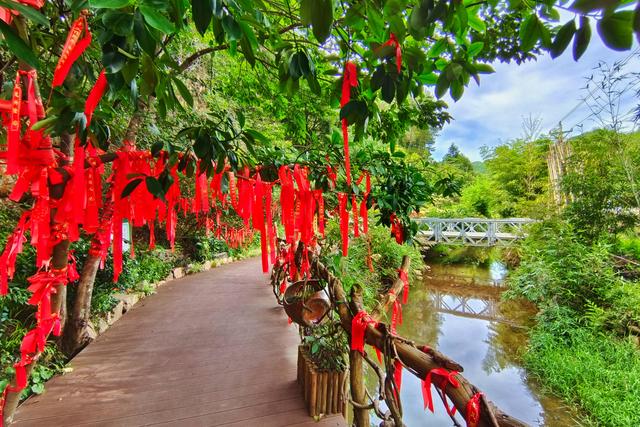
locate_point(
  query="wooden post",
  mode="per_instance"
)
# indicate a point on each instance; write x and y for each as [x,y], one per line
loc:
[313,393]
[358,389]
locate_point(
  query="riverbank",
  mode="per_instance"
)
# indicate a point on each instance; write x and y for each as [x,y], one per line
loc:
[583,347]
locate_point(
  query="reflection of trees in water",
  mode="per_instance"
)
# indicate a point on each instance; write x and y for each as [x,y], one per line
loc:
[421,322]
[507,340]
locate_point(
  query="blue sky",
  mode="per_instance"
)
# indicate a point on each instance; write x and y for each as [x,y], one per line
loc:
[492,113]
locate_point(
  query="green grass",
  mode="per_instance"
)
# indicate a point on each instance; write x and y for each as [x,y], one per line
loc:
[599,373]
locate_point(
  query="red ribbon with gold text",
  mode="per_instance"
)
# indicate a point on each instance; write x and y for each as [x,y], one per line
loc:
[73,48]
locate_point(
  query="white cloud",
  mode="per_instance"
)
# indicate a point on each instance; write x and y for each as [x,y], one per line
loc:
[492,112]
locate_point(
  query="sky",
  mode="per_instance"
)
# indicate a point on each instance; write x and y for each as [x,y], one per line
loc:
[492,113]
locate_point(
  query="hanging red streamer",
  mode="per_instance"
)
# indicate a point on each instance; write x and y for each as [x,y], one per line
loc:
[349,80]
[393,42]
[344,222]
[73,48]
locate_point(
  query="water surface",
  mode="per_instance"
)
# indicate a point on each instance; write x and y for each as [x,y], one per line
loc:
[458,310]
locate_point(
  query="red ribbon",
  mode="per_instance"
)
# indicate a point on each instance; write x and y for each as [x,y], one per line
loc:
[95,95]
[473,410]
[396,315]
[349,80]
[397,376]
[344,222]
[396,228]
[448,377]
[12,249]
[405,288]
[393,41]
[354,208]
[73,48]
[358,327]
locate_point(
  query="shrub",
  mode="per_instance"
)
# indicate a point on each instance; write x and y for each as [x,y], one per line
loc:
[386,257]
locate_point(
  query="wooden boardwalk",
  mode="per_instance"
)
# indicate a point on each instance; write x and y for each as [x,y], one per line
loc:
[209,349]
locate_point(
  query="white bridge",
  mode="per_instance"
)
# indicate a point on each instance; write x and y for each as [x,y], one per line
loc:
[472,231]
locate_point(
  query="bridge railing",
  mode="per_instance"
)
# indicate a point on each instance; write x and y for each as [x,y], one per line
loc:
[473,231]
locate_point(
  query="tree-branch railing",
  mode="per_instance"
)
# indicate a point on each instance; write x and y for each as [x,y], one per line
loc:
[419,360]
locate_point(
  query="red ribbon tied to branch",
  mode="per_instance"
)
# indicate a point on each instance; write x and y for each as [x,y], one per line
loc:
[73,48]
[448,377]
[349,80]
[405,288]
[393,41]
[396,315]
[358,327]
[473,410]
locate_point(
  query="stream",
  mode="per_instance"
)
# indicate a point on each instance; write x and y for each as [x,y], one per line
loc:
[457,309]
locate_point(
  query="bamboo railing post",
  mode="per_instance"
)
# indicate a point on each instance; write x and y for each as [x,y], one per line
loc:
[358,389]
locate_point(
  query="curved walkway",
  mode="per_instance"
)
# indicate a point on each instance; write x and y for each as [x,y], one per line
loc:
[208,349]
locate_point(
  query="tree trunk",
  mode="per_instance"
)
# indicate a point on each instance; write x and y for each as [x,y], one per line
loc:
[76,334]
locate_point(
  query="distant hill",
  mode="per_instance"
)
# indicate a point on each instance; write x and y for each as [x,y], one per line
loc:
[479,166]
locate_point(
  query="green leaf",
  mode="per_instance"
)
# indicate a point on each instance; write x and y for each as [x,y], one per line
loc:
[231,28]
[202,12]
[157,20]
[306,11]
[37,388]
[442,85]
[376,22]
[475,49]
[26,11]
[530,32]
[128,189]
[456,90]
[202,146]
[388,89]
[564,36]
[155,148]
[154,187]
[184,91]
[120,23]
[582,38]
[322,19]
[17,46]
[476,22]
[144,38]
[109,4]
[616,30]
[586,6]
[428,78]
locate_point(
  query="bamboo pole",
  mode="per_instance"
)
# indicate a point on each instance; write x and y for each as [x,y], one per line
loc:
[358,389]
[313,393]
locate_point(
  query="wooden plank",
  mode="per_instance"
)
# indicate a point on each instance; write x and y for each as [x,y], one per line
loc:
[208,349]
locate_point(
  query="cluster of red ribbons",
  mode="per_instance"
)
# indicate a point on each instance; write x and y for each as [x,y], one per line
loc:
[359,211]
[302,212]
[29,155]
